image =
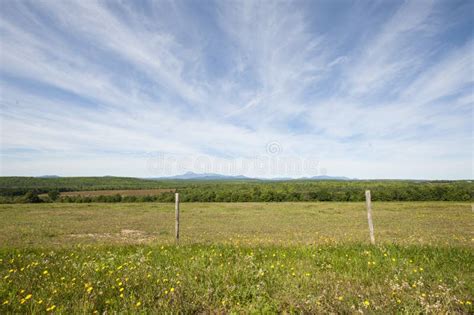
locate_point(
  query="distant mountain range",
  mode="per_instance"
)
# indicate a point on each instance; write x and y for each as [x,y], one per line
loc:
[213,176]
[204,176]
[325,177]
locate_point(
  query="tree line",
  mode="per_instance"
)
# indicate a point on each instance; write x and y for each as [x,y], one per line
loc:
[32,190]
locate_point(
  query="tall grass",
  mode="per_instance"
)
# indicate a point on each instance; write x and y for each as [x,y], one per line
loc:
[225,278]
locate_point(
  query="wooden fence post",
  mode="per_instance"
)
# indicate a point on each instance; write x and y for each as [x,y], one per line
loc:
[369,216]
[176,217]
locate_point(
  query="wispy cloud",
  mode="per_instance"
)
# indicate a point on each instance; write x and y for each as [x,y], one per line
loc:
[97,87]
[395,51]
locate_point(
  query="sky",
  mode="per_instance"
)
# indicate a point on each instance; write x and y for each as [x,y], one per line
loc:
[363,89]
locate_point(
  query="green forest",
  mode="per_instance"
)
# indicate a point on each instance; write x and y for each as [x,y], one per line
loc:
[32,189]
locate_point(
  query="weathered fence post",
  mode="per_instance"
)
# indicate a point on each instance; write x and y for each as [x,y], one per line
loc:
[176,208]
[369,216]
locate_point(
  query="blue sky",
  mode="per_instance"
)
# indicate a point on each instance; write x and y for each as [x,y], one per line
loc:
[366,89]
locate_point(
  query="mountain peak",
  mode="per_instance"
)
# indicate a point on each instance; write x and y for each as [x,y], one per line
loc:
[214,176]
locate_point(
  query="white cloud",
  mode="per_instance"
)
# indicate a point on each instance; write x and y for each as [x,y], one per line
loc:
[390,55]
[279,79]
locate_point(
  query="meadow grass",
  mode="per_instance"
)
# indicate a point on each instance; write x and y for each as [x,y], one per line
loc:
[226,278]
[236,258]
[58,224]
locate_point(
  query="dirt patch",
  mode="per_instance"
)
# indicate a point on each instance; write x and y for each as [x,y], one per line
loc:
[131,232]
[125,236]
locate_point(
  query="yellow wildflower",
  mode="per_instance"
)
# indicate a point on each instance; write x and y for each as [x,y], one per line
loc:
[138,304]
[366,303]
[52,307]
[172,290]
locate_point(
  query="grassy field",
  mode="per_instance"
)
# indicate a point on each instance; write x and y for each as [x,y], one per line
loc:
[407,223]
[236,257]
